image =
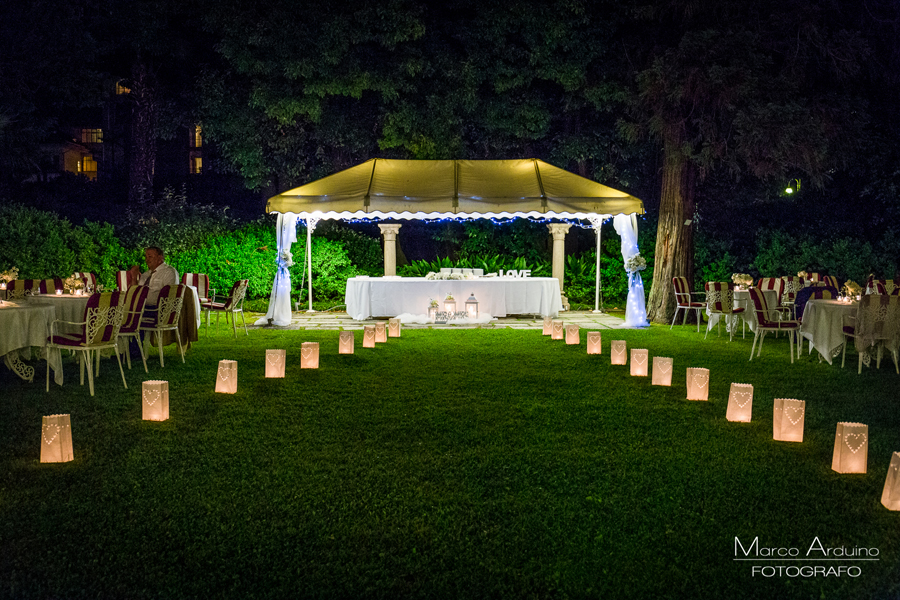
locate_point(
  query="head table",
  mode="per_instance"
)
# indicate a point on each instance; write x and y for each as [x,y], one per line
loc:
[497,296]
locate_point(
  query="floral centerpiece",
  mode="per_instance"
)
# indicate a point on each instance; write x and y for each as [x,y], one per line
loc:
[71,284]
[433,303]
[449,298]
[432,276]
[802,274]
[7,276]
[635,263]
[851,288]
[286,258]
[742,279]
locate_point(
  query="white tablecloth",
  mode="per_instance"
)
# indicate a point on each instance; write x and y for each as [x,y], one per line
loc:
[742,300]
[497,296]
[823,325]
[68,308]
[24,325]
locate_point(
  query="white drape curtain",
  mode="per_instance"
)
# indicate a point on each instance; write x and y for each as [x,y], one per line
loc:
[636,307]
[279,312]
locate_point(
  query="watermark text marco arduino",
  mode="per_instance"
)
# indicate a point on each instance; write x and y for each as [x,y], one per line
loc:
[816,550]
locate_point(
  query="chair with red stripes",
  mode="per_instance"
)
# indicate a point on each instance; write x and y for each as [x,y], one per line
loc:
[164,317]
[135,300]
[766,320]
[683,301]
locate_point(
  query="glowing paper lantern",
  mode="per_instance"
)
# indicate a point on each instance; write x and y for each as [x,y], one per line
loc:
[697,384]
[572,335]
[275,361]
[309,355]
[558,328]
[890,497]
[56,439]
[548,325]
[662,371]
[594,342]
[155,400]
[740,403]
[851,448]
[369,336]
[617,354]
[787,420]
[394,328]
[639,362]
[226,379]
[345,343]
[380,333]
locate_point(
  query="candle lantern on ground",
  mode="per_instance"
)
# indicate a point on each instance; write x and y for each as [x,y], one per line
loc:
[740,403]
[851,448]
[697,384]
[890,496]
[380,333]
[548,326]
[394,328]
[787,420]
[275,363]
[155,400]
[594,342]
[472,307]
[639,366]
[369,336]
[450,304]
[617,355]
[309,355]
[662,371]
[226,378]
[56,439]
[573,337]
[345,342]
[558,330]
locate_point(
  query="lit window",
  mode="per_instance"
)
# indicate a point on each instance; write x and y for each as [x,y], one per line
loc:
[121,89]
[91,136]
[90,165]
[196,137]
[196,165]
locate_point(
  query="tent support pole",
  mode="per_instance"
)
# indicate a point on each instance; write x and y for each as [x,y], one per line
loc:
[310,225]
[598,225]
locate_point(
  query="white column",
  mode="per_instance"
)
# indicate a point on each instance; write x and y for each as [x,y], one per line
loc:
[559,231]
[389,232]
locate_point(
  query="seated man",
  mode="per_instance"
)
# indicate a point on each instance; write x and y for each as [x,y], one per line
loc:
[158,274]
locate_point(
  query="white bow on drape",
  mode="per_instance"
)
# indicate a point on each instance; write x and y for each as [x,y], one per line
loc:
[279,312]
[636,308]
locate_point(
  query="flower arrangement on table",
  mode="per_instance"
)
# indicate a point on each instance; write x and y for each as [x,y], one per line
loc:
[449,298]
[432,276]
[851,288]
[742,279]
[635,263]
[7,276]
[802,274]
[71,284]
[286,258]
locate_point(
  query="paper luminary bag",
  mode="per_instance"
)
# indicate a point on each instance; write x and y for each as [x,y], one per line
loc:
[275,363]
[890,497]
[380,333]
[548,325]
[787,420]
[345,343]
[309,355]
[697,384]
[226,379]
[740,403]
[56,439]
[558,330]
[573,337]
[639,362]
[594,342]
[617,354]
[662,371]
[155,400]
[394,328]
[369,336]
[851,448]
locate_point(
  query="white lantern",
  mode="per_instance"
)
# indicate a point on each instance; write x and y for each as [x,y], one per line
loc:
[573,338]
[787,420]
[155,400]
[369,336]
[380,333]
[558,328]
[740,403]
[639,362]
[472,307]
[56,439]
[394,328]
[345,343]
[851,448]
[548,325]
[890,497]
[432,312]
[309,355]
[662,371]
[449,304]
[275,363]
[594,345]
[226,379]
[697,384]
[617,354]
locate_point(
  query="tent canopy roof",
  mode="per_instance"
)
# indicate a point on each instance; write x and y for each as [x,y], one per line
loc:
[434,189]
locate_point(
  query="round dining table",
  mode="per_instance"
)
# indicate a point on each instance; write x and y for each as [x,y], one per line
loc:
[24,325]
[823,325]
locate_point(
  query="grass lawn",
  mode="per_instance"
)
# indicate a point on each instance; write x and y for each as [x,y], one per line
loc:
[445,464]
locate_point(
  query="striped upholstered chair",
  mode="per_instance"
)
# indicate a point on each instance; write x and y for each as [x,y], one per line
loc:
[775,284]
[125,279]
[885,287]
[89,279]
[683,301]
[201,282]
[164,317]
[767,320]
[99,331]
[18,287]
[135,299]
[792,285]
[232,305]
[720,300]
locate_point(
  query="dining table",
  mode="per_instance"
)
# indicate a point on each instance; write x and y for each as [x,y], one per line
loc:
[823,326]
[25,325]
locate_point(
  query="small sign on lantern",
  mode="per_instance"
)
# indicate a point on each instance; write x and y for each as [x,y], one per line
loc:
[56,439]
[697,384]
[740,403]
[155,400]
[548,325]
[617,355]
[394,328]
[787,420]
[662,371]
[851,448]
[226,379]
[639,362]
[594,342]
[380,333]
[573,337]
[345,342]
[275,363]
[369,336]
[309,355]
[558,329]
[890,497]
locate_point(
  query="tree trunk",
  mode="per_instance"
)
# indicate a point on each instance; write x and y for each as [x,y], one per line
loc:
[143,134]
[674,239]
